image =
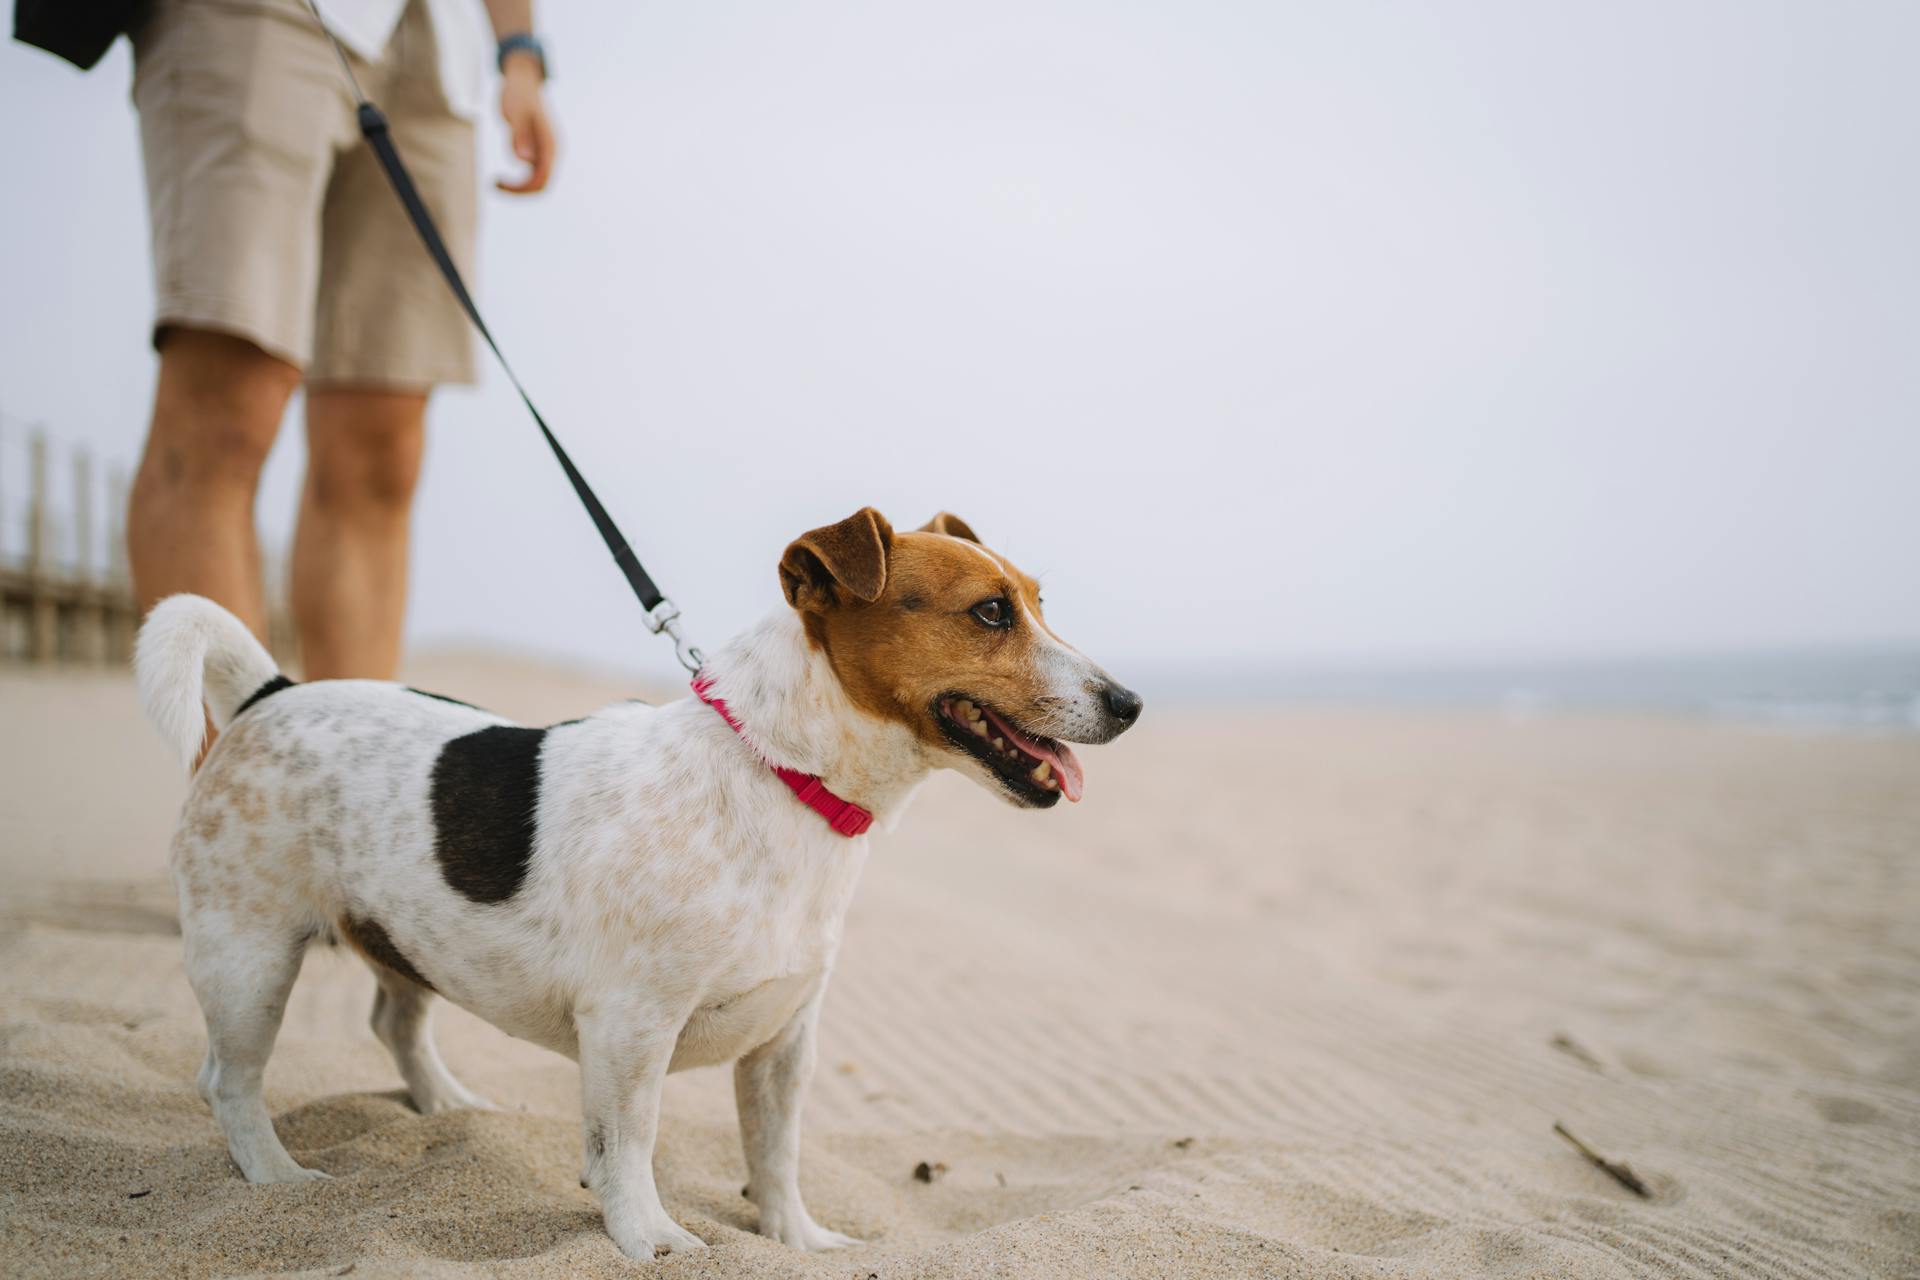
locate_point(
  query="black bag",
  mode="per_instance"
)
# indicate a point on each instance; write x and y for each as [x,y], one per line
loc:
[81,31]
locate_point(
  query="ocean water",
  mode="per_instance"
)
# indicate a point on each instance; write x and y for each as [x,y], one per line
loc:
[1867,689]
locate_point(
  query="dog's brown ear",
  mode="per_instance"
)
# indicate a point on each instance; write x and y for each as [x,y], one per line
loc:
[838,561]
[952,525]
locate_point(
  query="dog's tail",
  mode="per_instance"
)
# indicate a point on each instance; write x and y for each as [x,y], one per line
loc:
[190,652]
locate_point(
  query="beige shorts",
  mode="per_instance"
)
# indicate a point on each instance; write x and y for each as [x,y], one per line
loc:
[271,218]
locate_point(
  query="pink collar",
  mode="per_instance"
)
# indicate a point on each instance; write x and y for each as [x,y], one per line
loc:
[844,816]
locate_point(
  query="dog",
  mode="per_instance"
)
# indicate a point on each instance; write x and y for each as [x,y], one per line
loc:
[644,890]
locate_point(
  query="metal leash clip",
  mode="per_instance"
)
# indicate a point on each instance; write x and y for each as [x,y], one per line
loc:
[665,616]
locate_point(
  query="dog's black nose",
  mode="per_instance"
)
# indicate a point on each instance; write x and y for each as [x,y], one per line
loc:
[1122,703]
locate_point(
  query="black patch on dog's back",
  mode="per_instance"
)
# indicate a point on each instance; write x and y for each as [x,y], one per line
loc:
[486,788]
[441,697]
[375,943]
[266,690]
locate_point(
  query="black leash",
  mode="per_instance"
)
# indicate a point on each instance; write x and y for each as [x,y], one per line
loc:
[662,614]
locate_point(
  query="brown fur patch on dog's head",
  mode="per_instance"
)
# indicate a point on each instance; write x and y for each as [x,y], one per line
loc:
[896,615]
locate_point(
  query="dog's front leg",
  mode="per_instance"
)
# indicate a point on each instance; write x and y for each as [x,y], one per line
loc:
[770,1083]
[622,1067]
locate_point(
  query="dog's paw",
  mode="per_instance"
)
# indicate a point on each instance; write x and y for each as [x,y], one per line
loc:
[289,1172]
[824,1239]
[435,1104]
[655,1240]
[798,1230]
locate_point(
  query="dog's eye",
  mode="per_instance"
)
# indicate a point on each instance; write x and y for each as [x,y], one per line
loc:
[995,612]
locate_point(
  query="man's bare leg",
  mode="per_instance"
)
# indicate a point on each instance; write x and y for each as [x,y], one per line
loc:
[216,411]
[350,553]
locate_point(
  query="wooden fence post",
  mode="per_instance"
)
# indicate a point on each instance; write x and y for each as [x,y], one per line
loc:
[4,539]
[44,616]
[89,607]
[65,599]
[83,567]
[123,615]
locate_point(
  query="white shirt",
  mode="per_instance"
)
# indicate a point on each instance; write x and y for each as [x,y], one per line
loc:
[459,30]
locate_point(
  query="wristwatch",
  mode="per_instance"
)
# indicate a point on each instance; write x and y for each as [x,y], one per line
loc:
[524,42]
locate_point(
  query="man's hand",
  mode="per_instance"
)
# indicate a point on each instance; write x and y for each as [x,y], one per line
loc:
[523,106]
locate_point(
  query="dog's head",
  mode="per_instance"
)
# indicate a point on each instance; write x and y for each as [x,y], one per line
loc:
[933,630]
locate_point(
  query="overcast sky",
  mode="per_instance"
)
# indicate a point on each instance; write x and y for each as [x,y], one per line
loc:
[1262,331]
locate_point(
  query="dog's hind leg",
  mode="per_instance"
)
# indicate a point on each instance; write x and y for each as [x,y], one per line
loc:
[402,1014]
[241,973]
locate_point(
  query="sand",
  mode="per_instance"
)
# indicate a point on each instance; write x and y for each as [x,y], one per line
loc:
[1290,994]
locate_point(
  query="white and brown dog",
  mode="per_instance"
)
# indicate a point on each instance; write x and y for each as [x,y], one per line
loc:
[644,890]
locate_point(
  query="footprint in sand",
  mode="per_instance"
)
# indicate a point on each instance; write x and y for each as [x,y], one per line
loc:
[1846,1110]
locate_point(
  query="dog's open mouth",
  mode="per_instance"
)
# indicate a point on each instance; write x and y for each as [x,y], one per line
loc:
[1037,769]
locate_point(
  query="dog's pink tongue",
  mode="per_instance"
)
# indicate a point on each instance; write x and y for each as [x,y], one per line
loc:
[1066,765]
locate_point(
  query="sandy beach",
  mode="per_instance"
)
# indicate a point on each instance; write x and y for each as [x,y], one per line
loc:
[1290,994]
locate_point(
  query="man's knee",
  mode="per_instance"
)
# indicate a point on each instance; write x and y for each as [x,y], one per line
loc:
[364,450]
[216,411]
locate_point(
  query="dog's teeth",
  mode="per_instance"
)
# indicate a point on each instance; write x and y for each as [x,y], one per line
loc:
[1042,771]
[979,727]
[965,710]
[1000,744]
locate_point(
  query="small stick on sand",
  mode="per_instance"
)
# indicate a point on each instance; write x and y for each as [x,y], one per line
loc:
[1620,1173]
[1577,1051]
